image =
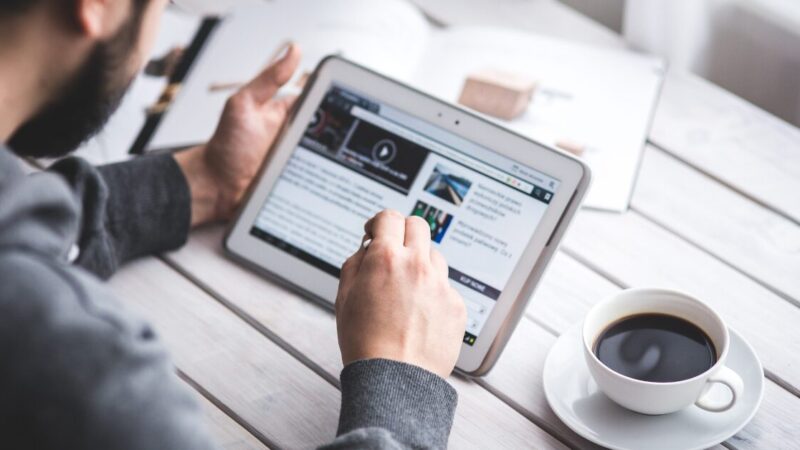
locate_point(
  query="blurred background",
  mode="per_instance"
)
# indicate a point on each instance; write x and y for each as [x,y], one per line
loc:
[749,47]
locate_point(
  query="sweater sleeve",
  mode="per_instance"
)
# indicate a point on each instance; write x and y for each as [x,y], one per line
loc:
[79,372]
[128,210]
[388,404]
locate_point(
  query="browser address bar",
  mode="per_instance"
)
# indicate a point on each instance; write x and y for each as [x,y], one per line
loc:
[448,152]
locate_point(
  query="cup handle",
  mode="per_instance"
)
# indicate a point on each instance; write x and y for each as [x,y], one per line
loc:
[730,379]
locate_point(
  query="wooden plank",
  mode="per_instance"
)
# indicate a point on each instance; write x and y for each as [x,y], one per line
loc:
[752,238]
[287,403]
[482,420]
[570,283]
[229,435]
[731,140]
[566,293]
[568,290]
[518,377]
[639,253]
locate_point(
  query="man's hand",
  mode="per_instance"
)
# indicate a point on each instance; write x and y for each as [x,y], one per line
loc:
[394,300]
[219,172]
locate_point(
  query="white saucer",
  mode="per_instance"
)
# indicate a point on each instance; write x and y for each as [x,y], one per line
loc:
[576,400]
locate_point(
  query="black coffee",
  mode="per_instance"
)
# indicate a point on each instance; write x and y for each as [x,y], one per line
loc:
[655,347]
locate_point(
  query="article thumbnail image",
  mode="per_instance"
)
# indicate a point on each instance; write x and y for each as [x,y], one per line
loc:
[384,156]
[447,186]
[438,220]
[329,126]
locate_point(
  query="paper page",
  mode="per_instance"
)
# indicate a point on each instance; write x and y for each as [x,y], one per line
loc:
[388,36]
[600,98]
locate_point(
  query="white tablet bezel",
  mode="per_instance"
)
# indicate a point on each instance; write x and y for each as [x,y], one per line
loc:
[572,174]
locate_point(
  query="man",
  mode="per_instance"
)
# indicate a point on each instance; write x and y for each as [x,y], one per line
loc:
[76,371]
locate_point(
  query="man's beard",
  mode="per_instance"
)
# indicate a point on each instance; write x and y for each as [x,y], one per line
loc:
[84,107]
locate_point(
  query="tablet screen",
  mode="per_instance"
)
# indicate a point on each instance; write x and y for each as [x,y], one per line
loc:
[359,156]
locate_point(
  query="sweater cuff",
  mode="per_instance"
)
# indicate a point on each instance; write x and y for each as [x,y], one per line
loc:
[149,206]
[415,405]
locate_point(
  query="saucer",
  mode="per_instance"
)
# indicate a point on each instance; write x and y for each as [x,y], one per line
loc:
[576,400]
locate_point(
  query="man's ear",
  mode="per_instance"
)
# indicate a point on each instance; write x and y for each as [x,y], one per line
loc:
[97,18]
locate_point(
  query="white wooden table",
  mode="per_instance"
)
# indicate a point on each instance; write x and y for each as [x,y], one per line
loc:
[716,212]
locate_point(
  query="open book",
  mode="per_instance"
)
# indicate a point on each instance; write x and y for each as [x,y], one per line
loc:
[602,99]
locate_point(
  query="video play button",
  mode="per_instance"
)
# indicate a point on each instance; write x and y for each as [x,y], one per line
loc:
[384,151]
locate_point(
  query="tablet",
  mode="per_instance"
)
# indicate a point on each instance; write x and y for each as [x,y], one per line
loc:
[357,143]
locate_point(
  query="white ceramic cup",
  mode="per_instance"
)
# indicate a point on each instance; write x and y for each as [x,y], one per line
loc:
[648,397]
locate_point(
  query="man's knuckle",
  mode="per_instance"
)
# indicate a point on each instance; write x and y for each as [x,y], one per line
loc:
[339,304]
[386,254]
[420,269]
[274,116]
[417,258]
[416,221]
[235,101]
[455,298]
[446,292]
[457,307]
[390,214]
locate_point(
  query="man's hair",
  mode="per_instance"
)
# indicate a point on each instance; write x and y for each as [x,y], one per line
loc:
[15,5]
[82,108]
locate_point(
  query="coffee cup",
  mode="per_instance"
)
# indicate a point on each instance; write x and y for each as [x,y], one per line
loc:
[657,351]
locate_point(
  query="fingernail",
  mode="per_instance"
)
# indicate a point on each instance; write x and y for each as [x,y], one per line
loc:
[282,52]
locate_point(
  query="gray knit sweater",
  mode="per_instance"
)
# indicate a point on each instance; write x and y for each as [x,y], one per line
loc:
[78,371]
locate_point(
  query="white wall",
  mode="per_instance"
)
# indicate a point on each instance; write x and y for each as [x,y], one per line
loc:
[749,47]
[607,12]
